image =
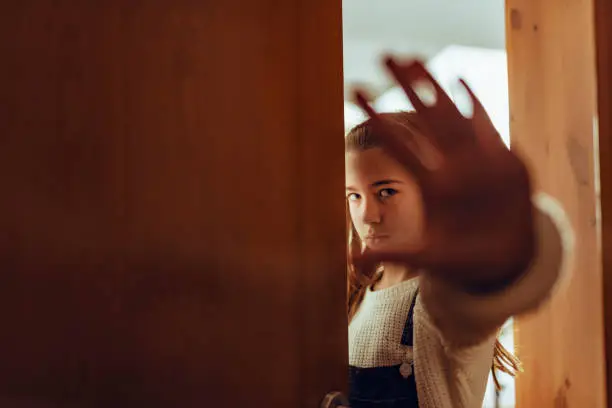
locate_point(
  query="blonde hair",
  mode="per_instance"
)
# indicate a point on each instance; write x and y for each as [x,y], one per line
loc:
[362,137]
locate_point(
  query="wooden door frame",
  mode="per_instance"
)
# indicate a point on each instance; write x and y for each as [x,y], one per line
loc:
[603,47]
[559,65]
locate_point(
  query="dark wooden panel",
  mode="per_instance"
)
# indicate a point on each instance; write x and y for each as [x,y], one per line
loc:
[172,214]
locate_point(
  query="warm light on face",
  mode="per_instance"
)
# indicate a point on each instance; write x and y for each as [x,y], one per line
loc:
[383,200]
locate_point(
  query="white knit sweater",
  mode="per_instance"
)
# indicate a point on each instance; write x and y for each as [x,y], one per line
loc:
[454,331]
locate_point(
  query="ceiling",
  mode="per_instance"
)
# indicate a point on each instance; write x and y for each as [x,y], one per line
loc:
[412,28]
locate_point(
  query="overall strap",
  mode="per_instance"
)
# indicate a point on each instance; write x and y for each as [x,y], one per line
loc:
[408,333]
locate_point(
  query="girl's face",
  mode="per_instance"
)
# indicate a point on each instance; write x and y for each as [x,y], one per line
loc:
[384,200]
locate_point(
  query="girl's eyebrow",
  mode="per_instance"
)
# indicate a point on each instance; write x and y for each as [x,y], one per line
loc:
[378,183]
[385,182]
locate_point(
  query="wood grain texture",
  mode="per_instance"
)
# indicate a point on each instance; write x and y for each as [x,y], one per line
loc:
[603,41]
[172,215]
[553,91]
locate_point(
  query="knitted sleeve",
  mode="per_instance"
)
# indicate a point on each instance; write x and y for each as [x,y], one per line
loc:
[465,319]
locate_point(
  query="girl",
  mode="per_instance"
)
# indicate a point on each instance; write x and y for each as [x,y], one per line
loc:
[446,244]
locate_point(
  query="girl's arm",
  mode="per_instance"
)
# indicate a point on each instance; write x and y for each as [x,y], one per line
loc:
[466,319]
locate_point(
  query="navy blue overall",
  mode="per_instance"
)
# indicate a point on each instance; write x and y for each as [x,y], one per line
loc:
[385,387]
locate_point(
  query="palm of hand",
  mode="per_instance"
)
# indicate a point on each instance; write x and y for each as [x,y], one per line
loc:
[476,192]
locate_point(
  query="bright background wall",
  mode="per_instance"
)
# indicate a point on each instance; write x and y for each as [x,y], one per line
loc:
[457,40]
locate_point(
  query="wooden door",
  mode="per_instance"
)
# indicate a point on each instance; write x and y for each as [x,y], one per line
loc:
[172,214]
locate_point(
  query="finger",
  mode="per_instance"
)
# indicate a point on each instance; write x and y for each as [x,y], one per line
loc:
[442,117]
[369,260]
[415,257]
[395,144]
[408,76]
[432,258]
[470,263]
[485,130]
[402,77]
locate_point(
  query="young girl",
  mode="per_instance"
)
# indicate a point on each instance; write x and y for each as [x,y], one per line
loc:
[446,244]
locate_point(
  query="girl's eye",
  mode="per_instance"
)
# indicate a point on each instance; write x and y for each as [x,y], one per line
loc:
[353,197]
[387,192]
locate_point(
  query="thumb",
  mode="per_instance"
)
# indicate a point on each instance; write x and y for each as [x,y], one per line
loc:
[415,257]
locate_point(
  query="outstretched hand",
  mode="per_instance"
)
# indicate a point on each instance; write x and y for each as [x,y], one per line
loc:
[476,192]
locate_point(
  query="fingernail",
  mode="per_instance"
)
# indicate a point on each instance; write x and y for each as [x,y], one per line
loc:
[417,65]
[463,100]
[361,96]
[390,62]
